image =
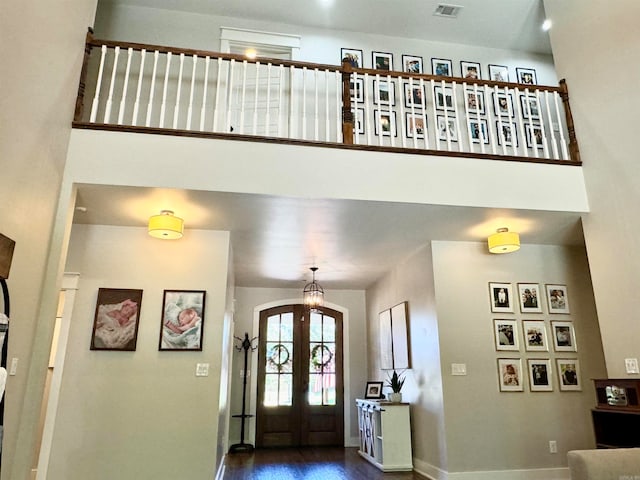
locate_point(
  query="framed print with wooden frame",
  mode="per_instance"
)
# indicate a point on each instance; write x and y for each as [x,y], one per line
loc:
[540,374]
[478,131]
[564,337]
[442,67]
[414,95]
[470,70]
[506,334]
[373,391]
[385,123]
[384,92]
[526,76]
[529,295]
[557,298]
[508,134]
[569,374]
[382,61]
[115,324]
[510,375]
[501,297]
[182,320]
[416,125]
[498,73]
[353,56]
[447,126]
[534,333]
[412,64]
[474,101]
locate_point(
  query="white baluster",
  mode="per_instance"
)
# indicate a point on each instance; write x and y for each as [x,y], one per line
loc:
[255,99]
[391,117]
[500,123]
[377,101]
[367,109]
[205,84]
[152,89]
[304,103]
[176,110]
[498,115]
[315,109]
[107,113]
[280,89]
[214,128]
[193,80]
[553,135]
[354,106]
[446,114]
[326,106]
[563,144]
[163,105]
[454,96]
[435,113]
[124,88]
[338,81]
[268,112]
[96,96]
[292,120]
[244,94]
[230,90]
[467,115]
[545,144]
[136,104]
[519,128]
[424,114]
[404,126]
[486,105]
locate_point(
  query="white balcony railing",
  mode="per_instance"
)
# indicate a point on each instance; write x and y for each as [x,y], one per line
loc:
[151,87]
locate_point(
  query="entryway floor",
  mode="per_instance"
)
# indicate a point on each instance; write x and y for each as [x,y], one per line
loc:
[313,463]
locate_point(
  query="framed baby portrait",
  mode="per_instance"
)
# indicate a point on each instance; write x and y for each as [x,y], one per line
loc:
[182,320]
[115,325]
[510,375]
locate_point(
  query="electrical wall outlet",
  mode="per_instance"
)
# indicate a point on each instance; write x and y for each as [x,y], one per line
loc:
[553,446]
[14,366]
[202,370]
[458,369]
[631,364]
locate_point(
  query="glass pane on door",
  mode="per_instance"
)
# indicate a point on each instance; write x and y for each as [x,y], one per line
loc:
[322,361]
[278,388]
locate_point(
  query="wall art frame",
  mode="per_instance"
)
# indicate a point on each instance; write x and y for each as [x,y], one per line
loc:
[442,67]
[506,335]
[373,391]
[510,375]
[474,101]
[534,333]
[540,373]
[564,336]
[530,107]
[535,137]
[526,76]
[470,70]
[447,126]
[501,297]
[557,298]
[569,378]
[384,92]
[416,124]
[478,131]
[414,96]
[498,73]
[182,322]
[529,297]
[412,64]
[382,61]
[385,123]
[352,55]
[116,319]
[507,133]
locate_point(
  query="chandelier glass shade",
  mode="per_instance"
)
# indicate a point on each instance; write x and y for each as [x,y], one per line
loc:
[313,294]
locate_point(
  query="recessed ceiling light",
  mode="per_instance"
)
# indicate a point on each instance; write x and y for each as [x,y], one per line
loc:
[546,25]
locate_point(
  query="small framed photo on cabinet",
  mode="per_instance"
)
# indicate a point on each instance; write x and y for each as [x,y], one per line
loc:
[373,391]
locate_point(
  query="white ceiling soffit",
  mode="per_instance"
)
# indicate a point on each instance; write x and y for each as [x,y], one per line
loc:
[502,24]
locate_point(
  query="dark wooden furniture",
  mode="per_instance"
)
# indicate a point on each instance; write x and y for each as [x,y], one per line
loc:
[616,418]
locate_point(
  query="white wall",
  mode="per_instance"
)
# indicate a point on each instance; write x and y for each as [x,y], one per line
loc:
[141,414]
[355,368]
[592,46]
[464,423]
[43,44]
[190,30]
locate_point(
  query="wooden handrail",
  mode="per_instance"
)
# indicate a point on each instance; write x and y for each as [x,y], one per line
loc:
[574,151]
[77,116]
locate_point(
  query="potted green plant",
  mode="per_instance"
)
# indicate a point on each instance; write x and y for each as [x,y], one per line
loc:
[395,382]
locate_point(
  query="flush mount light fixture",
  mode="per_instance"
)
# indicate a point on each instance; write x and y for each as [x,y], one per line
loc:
[504,241]
[546,25]
[313,294]
[166,226]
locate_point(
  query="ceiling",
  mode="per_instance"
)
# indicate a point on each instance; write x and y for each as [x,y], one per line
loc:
[276,239]
[504,24]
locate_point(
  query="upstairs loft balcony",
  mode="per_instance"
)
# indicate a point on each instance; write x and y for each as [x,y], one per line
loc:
[174,91]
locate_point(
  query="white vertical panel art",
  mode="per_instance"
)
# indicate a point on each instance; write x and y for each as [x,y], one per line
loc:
[394,338]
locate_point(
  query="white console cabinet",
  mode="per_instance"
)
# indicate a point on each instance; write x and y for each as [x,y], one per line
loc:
[385,434]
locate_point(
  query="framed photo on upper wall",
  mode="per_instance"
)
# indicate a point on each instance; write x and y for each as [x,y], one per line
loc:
[540,375]
[506,335]
[499,73]
[557,298]
[447,130]
[115,325]
[412,64]
[510,375]
[470,70]
[501,297]
[416,124]
[474,101]
[478,131]
[569,374]
[353,56]
[507,133]
[442,67]
[385,123]
[535,336]
[382,61]
[526,76]
[529,295]
[564,337]
[182,320]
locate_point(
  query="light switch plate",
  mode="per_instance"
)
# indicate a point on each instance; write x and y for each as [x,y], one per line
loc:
[14,366]
[202,370]
[631,365]
[458,369]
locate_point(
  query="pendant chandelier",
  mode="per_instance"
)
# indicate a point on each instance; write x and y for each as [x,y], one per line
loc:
[313,294]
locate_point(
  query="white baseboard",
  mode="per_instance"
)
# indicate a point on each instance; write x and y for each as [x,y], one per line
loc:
[434,473]
[353,442]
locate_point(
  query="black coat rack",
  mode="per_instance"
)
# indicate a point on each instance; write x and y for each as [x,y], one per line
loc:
[246,345]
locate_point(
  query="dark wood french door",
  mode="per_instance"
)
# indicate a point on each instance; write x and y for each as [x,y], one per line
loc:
[300,382]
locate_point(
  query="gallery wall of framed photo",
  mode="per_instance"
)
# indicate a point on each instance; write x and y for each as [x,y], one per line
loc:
[534,336]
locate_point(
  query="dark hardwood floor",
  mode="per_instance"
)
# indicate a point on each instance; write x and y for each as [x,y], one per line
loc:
[313,463]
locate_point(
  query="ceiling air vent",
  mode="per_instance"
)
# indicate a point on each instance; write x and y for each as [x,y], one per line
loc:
[449,11]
